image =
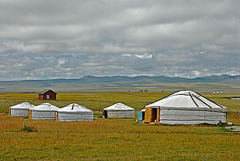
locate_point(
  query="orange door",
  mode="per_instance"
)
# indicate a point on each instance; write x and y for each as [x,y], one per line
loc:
[158,115]
[56,115]
[148,114]
[29,114]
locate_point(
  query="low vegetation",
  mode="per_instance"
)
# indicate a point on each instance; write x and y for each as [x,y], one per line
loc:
[113,139]
[28,129]
[98,101]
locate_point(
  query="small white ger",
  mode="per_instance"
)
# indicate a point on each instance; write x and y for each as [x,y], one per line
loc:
[74,112]
[20,109]
[118,110]
[44,111]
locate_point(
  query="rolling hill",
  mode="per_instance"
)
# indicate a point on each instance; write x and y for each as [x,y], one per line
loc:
[123,83]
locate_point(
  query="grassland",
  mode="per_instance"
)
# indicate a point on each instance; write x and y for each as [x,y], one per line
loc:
[100,100]
[30,87]
[94,101]
[113,139]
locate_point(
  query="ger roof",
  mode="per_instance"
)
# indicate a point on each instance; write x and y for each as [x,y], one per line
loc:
[143,110]
[24,105]
[45,107]
[74,107]
[119,107]
[186,99]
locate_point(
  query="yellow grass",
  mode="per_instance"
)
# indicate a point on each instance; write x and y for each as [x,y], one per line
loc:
[112,139]
[94,101]
[101,100]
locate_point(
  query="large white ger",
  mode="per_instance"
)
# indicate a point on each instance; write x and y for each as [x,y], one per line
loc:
[74,112]
[118,110]
[185,107]
[20,109]
[45,111]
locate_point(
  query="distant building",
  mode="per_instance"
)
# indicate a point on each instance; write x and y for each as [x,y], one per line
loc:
[217,92]
[47,95]
[143,90]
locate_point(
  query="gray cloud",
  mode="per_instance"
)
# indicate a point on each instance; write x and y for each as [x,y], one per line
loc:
[69,39]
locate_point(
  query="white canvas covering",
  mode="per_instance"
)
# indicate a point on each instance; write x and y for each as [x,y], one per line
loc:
[118,110]
[187,107]
[20,109]
[75,112]
[44,111]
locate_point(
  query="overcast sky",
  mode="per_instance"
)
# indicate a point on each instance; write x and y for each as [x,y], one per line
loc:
[48,39]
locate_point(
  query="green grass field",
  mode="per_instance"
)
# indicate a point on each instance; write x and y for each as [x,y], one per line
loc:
[113,139]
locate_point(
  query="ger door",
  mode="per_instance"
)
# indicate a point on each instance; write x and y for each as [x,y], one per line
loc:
[105,115]
[155,115]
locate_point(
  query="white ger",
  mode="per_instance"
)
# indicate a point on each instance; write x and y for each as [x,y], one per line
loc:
[74,112]
[44,111]
[20,109]
[118,110]
[185,107]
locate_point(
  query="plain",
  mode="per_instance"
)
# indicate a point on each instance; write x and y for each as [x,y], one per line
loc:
[113,139]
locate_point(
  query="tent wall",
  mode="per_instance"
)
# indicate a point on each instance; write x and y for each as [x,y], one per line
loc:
[75,116]
[191,117]
[42,115]
[18,112]
[120,114]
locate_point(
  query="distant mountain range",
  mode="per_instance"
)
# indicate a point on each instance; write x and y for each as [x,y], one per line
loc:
[93,82]
[162,79]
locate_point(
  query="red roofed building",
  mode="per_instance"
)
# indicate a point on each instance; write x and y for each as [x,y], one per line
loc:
[47,95]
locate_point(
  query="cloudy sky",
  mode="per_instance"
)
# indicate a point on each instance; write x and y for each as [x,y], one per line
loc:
[48,39]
